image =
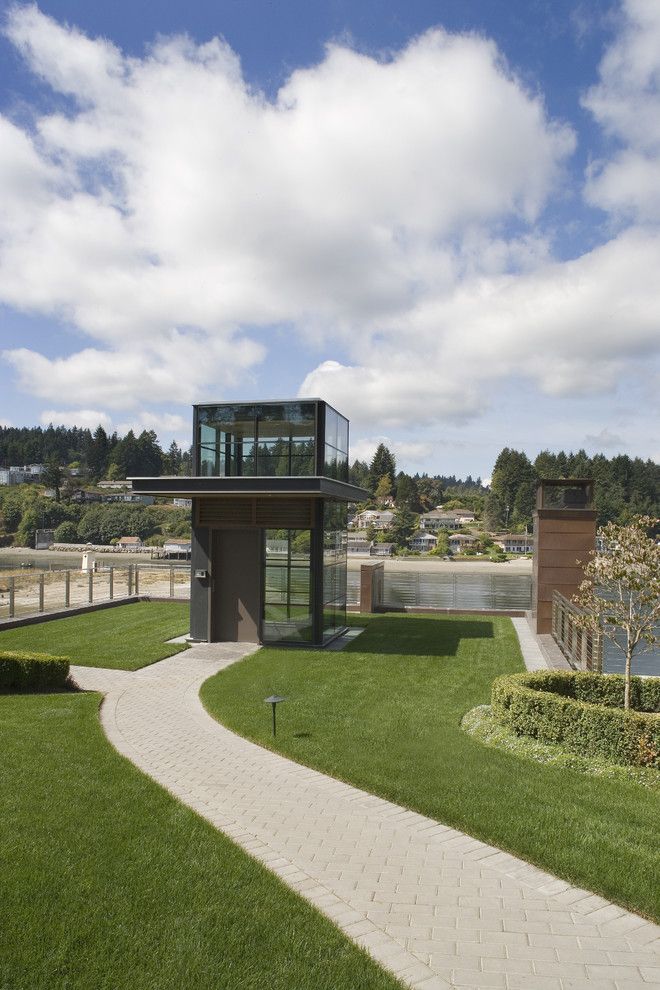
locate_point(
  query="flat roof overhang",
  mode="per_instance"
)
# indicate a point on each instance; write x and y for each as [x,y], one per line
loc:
[194,487]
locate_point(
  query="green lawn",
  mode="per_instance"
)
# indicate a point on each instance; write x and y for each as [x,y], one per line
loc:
[384,714]
[108,883]
[125,637]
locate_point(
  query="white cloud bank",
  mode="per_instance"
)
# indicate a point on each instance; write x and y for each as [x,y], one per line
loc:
[168,208]
[85,418]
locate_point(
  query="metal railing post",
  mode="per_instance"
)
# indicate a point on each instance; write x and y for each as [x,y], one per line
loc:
[41,592]
[67,588]
[130,580]
[111,583]
[90,586]
[597,652]
[171,581]
[12,596]
[582,648]
[137,580]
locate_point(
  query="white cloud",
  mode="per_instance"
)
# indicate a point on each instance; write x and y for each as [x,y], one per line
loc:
[90,418]
[407,454]
[572,327]
[176,369]
[626,104]
[6,423]
[162,423]
[389,211]
[605,439]
[173,199]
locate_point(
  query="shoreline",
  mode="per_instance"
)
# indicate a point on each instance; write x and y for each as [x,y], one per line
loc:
[63,559]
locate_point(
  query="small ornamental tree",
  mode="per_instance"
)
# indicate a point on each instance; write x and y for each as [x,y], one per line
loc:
[383,489]
[621,590]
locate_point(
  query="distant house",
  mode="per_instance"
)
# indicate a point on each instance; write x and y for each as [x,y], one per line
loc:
[357,544]
[82,497]
[382,549]
[21,475]
[516,543]
[34,471]
[459,541]
[378,518]
[44,538]
[131,499]
[439,519]
[179,549]
[423,542]
[129,543]
[113,485]
[182,503]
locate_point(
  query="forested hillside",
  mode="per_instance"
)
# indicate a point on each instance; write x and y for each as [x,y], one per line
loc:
[624,486]
[96,455]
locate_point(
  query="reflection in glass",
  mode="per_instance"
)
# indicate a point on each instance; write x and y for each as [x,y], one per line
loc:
[334,568]
[287,586]
[265,440]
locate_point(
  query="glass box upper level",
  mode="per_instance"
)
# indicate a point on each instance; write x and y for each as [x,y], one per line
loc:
[271,439]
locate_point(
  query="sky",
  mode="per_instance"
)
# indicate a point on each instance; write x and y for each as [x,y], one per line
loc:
[441,217]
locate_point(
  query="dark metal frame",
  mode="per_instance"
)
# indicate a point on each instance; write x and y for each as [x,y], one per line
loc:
[318,487]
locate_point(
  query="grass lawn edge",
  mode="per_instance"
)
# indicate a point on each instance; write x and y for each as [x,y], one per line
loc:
[566,868]
[37,924]
[481,724]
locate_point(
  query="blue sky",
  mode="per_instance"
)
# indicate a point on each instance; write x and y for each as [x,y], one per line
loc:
[442,217]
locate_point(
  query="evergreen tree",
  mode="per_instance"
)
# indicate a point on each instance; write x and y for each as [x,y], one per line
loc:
[52,476]
[403,526]
[382,463]
[98,453]
[148,455]
[358,474]
[172,463]
[407,493]
[545,465]
[493,513]
[383,488]
[125,456]
[512,472]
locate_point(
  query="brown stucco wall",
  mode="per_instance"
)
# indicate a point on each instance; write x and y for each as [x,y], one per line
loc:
[562,538]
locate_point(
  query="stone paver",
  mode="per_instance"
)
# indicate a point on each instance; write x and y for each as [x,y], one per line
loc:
[432,905]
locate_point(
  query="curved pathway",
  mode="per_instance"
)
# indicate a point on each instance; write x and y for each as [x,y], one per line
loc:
[432,905]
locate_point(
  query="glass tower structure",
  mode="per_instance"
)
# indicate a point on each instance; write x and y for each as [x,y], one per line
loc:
[270,493]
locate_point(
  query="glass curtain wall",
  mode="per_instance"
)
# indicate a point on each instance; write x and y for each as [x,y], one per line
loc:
[287,587]
[336,445]
[275,440]
[334,568]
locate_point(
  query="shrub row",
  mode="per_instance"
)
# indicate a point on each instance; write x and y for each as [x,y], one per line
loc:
[32,671]
[575,710]
[599,689]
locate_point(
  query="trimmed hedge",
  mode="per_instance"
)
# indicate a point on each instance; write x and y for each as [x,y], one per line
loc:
[32,671]
[583,712]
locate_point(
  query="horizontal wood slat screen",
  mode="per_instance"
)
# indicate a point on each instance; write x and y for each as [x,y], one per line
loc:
[269,513]
[284,513]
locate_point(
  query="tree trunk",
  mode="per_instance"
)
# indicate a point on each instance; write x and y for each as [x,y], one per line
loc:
[626,693]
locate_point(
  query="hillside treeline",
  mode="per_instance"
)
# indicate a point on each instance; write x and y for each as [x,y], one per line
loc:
[24,510]
[96,455]
[624,486]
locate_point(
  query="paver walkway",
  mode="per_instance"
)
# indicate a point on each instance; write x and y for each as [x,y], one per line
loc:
[431,904]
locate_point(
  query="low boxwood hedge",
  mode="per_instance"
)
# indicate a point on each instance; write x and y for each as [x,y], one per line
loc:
[32,671]
[583,712]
